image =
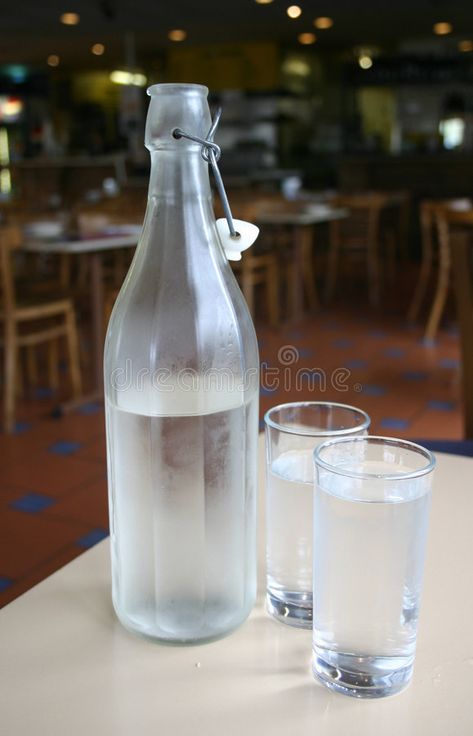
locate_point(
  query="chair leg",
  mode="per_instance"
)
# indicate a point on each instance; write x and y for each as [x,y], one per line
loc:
[438,305]
[443,282]
[10,362]
[53,360]
[373,276]
[272,293]
[31,365]
[421,286]
[73,349]
[65,271]
[332,260]
[290,298]
[308,275]
[390,239]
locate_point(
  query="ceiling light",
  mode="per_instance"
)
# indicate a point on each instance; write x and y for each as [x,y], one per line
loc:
[53,60]
[465,45]
[264,2]
[134,79]
[441,29]
[323,23]
[306,38]
[98,49]
[70,19]
[294,11]
[297,67]
[10,108]
[177,35]
[365,61]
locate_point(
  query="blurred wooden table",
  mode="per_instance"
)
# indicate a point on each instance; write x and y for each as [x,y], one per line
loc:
[301,218]
[93,248]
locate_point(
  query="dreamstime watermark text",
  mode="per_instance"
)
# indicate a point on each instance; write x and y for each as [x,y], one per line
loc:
[286,374]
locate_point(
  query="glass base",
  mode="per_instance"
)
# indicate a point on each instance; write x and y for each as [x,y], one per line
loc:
[294,611]
[362,677]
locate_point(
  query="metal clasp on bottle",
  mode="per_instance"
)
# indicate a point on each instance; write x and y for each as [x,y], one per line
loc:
[211,153]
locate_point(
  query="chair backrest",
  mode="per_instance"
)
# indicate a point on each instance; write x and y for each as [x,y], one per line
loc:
[460,228]
[10,239]
[361,227]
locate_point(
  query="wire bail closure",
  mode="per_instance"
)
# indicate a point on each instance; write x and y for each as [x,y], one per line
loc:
[211,153]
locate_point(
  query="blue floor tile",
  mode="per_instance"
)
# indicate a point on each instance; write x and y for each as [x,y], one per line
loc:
[43,392]
[453,447]
[441,405]
[22,427]
[32,503]
[355,363]
[371,389]
[452,330]
[89,409]
[306,352]
[261,425]
[414,375]
[64,447]
[342,343]
[329,326]
[394,423]
[93,537]
[449,363]
[5,583]
[394,352]
[265,391]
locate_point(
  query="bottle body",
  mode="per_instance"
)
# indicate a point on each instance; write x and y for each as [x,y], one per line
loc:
[181,377]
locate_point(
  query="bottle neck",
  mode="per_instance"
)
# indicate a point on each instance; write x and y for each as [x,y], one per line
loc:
[179,176]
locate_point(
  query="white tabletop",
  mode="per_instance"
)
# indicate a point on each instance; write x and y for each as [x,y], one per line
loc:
[86,245]
[310,216]
[68,667]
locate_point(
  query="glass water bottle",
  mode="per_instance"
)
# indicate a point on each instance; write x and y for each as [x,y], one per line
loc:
[181,394]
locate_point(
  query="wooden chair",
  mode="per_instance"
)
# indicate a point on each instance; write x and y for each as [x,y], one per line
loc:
[358,235]
[259,264]
[259,269]
[461,244]
[29,325]
[435,249]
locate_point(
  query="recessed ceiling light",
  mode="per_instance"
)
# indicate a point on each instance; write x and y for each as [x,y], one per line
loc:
[70,19]
[365,61]
[97,49]
[306,38]
[294,11]
[323,23]
[53,60]
[443,28]
[465,45]
[134,79]
[177,35]
[264,2]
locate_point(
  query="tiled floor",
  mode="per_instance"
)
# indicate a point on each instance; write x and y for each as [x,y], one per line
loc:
[53,501]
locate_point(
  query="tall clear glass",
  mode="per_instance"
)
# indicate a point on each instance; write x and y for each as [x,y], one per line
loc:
[292,432]
[371,504]
[181,391]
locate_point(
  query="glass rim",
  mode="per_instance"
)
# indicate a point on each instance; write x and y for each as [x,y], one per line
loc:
[312,432]
[155,89]
[376,440]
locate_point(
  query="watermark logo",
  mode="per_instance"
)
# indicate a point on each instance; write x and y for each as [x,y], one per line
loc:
[286,374]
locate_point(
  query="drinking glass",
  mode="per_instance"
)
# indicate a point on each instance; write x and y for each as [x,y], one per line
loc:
[292,432]
[371,504]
